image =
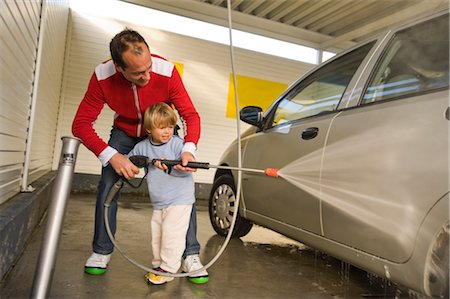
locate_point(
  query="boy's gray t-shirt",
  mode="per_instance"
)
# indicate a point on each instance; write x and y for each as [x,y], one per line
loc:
[176,188]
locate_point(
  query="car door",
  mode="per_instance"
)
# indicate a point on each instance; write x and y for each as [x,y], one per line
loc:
[292,141]
[386,161]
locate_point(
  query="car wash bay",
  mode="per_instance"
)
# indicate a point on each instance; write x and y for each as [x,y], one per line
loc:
[71,43]
[263,264]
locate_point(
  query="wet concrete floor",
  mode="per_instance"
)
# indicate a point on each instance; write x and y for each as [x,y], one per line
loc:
[262,264]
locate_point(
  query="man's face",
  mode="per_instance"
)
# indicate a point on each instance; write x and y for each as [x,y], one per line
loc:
[138,66]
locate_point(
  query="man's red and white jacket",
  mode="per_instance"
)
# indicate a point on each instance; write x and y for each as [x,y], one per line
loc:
[129,101]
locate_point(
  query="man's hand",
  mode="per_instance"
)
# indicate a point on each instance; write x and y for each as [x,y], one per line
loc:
[185,158]
[123,166]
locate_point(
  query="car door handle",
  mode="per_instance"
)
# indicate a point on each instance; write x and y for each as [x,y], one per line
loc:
[447,113]
[310,133]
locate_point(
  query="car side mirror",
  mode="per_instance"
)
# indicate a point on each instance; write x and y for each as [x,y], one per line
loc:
[252,115]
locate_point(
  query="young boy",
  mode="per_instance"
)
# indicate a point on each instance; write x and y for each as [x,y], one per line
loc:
[171,191]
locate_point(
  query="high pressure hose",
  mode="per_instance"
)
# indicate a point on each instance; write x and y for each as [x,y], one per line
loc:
[116,188]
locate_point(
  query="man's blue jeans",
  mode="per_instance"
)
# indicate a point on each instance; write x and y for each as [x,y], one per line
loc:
[102,243]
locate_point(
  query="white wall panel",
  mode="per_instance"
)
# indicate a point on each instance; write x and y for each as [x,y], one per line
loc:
[18,44]
[206,77]
[20,27]
[48,92]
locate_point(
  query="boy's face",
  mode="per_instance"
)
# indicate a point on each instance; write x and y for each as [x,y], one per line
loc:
[162,134]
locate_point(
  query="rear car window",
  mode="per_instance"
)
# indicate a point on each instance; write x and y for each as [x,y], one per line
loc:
[416,61]
[322,90]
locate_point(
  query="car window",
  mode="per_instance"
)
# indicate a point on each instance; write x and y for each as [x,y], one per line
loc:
[322,90]
[415,61]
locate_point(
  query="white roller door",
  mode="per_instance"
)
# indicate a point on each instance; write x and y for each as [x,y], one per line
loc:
[19,40]
[20,23]
[48,90]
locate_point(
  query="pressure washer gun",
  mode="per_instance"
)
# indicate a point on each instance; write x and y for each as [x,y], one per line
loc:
[172,163]
[272,172]
[140,162]
[143,161]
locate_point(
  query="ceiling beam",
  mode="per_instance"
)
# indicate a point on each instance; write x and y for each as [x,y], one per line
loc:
[344,11]
[248,7]
[248,23]
[236,3]
[324,10]
[367,15]
[345,16]
[262,11]
[306,9]
[215,2]
[421,9]
[290,5]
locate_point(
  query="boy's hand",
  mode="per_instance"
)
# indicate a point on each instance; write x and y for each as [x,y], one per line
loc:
[185,158]
[160,165]
[123,166]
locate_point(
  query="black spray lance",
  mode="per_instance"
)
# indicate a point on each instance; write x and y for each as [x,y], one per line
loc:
[143,161]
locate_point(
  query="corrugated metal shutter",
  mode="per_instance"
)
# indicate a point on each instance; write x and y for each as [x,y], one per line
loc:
[19,32]
[49,88]
[206,77]
[19,29]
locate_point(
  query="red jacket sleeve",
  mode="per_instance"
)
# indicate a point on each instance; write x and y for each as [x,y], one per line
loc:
[88,111]
[182,102]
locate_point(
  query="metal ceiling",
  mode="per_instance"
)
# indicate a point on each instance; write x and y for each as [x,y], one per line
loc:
[331,25]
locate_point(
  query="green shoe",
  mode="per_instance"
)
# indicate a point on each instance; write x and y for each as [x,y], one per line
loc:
[94,271]
[199,280]
[192,263]
[97,264]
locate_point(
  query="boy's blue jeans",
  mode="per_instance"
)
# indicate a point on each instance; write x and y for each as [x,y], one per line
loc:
[101,243]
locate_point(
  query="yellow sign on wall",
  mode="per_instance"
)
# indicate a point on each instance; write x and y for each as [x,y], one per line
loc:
[252,91]
[180,67]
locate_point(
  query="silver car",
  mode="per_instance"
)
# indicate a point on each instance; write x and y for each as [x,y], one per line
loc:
[361,144]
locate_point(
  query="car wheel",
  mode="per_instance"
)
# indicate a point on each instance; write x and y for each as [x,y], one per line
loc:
[437,265]
[222,202]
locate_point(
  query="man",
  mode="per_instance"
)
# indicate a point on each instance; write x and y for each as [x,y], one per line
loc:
[133,80]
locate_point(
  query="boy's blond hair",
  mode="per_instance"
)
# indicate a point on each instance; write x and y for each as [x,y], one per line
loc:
[159,115]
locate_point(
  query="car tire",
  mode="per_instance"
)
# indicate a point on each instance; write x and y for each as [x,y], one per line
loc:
[437,265]
[222,201]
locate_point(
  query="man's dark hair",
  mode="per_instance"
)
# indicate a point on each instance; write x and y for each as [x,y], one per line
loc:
[122,42]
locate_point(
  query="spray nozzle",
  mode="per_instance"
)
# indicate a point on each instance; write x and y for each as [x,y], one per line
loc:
[273,172]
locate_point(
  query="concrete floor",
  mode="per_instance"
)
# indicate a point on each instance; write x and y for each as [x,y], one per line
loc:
[263,264]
